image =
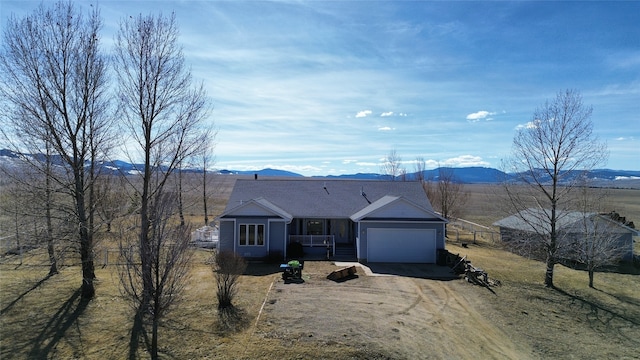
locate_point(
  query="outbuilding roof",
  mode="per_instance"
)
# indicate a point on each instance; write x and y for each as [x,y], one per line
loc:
[537,220]
[320,198]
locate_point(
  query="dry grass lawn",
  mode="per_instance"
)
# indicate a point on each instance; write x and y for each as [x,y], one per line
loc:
[43,318]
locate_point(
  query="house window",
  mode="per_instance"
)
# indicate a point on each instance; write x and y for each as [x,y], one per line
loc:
[251,235]
[315,227]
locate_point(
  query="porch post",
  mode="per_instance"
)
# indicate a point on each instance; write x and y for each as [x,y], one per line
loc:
[333,240]
[358,242]
[286,240]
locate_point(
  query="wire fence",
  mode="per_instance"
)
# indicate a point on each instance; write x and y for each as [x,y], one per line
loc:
[463,230]
[102,257]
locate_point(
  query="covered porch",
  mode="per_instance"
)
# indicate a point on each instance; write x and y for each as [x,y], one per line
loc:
[324,238]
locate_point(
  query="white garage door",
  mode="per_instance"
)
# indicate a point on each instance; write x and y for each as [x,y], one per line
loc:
[401,245]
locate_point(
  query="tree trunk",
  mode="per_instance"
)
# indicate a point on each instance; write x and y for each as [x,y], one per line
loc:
[88,275]
[53,265]
[86,243]
[145,229]
[134,339]
[17,226]
[548,276]
[154,338]
[591,278]
[180,209]
[157,308]
[204,195]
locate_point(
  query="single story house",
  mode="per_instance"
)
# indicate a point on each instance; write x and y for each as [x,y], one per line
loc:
[573,228]
[367,220]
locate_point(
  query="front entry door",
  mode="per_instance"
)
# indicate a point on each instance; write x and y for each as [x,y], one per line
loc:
[341,231]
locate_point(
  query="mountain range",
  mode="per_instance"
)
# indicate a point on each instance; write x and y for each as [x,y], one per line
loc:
[469,175]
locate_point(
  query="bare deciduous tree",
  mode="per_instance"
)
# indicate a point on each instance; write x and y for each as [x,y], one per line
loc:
[168,259]
[227,267]
[427,182]
[54,82]
[419,167]
[164,116]
[392,165]
[546,155]
[600,245]
[449,195]
[15,206]
[599,242]
[207,161]
[110,195]
[32,200]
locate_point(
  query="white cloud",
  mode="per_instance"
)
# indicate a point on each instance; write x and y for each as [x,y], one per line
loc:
[385,114]
[529,125]
[368,164]
[363,113]
[477,116]
[385,128]
[300,169]
[464,161]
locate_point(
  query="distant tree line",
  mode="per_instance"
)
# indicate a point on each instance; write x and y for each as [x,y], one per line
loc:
[445,191]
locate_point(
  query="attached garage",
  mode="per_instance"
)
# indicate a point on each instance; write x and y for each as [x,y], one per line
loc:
[401,245]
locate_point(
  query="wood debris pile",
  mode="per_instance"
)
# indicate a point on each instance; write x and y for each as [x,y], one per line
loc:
[343,274]
[474,275]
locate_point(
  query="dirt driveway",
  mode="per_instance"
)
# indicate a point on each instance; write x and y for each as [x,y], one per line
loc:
[403,314]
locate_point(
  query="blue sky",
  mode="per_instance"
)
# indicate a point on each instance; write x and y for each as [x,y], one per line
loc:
[331,87]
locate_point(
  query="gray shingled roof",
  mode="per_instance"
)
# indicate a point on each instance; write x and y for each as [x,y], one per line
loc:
[319,198]
[535,219]
[527,220]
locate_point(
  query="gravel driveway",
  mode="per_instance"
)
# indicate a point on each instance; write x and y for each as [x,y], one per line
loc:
[394,311]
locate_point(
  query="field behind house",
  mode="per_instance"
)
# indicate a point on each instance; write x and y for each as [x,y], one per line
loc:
[405,315]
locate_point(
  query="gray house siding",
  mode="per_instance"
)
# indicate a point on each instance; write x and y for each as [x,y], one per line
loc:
[623,244]
[513,240]
[272,240]
[364,226]
[227,235]
[277,237]
[626,242]
[252,250]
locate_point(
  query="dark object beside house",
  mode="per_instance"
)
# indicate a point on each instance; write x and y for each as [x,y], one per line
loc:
[292,271]
[441,257]
[295,250]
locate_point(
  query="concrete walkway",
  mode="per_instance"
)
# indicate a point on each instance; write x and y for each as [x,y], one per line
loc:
[424,271]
